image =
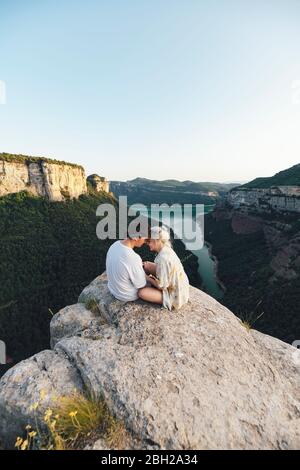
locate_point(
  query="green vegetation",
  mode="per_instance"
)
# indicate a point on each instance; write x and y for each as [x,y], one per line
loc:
[49,252]
[73,422]
[9,157]
[248,321]
[93,306]
[289,177]
[244,268]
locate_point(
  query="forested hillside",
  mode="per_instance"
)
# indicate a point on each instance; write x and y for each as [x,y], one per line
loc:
[48,252]
[288,177]
[264,300]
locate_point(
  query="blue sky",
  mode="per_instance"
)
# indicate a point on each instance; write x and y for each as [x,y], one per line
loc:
[185,89]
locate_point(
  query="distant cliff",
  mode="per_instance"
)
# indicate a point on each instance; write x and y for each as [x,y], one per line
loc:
[278,193]
[53,179]
[99,183]
[280,198]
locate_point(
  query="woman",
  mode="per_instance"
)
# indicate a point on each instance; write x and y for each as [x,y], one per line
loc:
[169,283]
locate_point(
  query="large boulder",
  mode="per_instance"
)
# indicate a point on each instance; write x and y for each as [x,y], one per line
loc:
[191,379]
[31,387]
[97,291]
[73,320]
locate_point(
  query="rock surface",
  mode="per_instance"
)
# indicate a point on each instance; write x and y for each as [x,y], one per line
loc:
[192,379]
[99,183]
[281,198]
[38,380]
[55,181]
[71,321]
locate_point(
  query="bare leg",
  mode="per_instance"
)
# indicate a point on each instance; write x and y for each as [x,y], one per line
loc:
[151,294]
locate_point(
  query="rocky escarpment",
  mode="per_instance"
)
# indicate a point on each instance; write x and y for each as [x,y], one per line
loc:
[42,177]
[279,193]
[192,379]
[281,198]
[99,183]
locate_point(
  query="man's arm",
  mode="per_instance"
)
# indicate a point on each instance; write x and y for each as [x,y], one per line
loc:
[137,274]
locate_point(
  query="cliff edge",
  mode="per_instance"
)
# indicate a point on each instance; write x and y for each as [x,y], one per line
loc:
[41,176]
[192,379]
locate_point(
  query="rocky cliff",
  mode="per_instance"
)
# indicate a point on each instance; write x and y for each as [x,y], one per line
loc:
[281,199]
[192,379]
[278,193]
[42,177]
[99,183]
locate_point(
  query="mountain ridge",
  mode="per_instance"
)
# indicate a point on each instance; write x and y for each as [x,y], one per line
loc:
[146,191]
[288,177]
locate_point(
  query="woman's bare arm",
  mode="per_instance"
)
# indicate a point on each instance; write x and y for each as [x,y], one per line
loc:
[150,267]
[153,281]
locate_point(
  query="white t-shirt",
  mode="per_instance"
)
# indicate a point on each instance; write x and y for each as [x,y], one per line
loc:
[125,272]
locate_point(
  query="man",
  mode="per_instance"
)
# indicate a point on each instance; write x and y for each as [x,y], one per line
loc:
[124,269]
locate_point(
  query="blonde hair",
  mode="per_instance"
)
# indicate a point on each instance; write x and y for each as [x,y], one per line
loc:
[162,234]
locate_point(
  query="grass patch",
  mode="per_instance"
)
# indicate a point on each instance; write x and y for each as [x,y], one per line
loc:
[72,423]
[92,306]
[248,321]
